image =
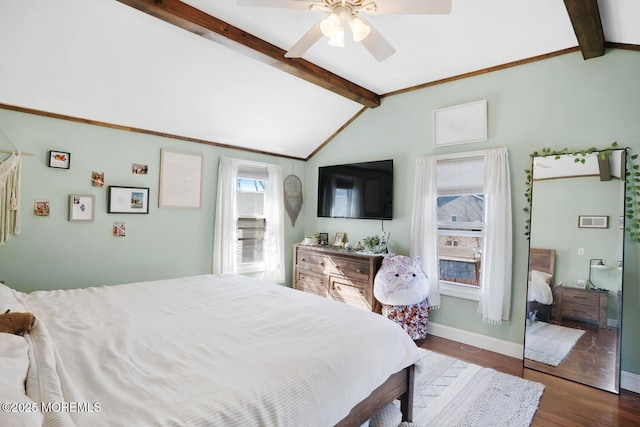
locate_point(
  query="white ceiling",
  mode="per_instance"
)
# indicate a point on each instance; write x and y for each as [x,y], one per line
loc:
[104,61]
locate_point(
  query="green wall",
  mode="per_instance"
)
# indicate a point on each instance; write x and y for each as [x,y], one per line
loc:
[559,102]
[51,252]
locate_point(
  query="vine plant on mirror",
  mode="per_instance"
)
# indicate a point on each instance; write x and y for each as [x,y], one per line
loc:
[632,182]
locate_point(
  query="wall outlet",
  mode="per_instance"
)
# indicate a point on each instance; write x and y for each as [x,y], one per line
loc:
[580,251]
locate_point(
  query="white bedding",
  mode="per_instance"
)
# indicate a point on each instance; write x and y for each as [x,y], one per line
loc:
[540,292]
[206,350]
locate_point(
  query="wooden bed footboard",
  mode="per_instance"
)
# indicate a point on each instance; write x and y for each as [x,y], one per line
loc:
[397,386]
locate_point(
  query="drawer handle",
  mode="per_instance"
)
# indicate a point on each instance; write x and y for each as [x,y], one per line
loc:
[358,270]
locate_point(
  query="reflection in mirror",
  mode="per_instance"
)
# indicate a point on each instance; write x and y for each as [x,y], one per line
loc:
[574,292]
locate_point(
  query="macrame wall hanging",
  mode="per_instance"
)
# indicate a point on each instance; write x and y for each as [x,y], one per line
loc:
[292,197]
[10,197]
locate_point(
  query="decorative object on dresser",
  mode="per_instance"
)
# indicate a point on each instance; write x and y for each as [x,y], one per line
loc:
[337,274]
[587,305]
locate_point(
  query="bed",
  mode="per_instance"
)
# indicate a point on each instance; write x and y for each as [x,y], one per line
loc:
[209,350]
[540,283]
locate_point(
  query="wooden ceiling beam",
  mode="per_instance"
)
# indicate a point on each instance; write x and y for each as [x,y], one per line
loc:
[196,21]
[585,18]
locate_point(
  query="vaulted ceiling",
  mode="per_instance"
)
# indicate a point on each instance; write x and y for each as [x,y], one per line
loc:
[213,71]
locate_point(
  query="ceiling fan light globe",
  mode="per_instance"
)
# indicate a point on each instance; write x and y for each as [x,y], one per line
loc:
[359,29]
[338,39]
[331,25]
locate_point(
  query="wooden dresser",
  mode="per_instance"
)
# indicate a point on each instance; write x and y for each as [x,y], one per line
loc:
[337,274]
[586,305]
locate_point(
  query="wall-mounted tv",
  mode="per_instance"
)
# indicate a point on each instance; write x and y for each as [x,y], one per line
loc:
[356,190]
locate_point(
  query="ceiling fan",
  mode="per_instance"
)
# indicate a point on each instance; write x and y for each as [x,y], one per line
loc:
[347,11]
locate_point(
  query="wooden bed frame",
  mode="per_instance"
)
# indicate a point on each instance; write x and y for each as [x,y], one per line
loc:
[542,260]
[397,386]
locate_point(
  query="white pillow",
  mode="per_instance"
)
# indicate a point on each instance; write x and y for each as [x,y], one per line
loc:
[18,409]
[9,300]
[540,276]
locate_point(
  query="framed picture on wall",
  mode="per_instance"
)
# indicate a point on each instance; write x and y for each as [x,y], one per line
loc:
[81,207]
[59,159]
[129,200]
[460,124]
[593,221]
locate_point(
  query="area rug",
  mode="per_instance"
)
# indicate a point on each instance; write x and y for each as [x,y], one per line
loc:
[450,392]
[549,344]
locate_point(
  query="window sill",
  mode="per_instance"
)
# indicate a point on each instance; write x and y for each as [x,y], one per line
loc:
[460,291]
[257,267]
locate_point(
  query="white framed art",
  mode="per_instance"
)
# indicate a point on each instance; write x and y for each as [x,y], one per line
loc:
[180,180]
[81,207]
[460,124]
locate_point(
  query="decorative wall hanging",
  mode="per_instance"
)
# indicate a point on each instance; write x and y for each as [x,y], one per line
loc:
[119,229]
[10,197]
[59,159]
[138,169]
[41,208]
[593,221]
[460,124]
[180,180]
[129,200]
[97,179]
[81,208]
[292,197]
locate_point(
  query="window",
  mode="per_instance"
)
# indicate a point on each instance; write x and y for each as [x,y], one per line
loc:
[460,242]
[461,228]
[251,224]
[460,225]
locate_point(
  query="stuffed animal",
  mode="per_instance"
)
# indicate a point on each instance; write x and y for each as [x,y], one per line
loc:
[400,281]
[16,323]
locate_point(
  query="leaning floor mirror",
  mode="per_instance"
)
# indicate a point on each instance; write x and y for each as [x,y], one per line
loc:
[574,294]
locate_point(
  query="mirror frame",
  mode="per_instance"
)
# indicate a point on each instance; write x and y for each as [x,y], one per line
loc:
[624,173]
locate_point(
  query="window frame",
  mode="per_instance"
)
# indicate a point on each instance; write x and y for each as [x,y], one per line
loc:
[449,288]
[253,266]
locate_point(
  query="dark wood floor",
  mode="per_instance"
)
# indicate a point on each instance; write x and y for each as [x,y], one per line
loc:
[564,403]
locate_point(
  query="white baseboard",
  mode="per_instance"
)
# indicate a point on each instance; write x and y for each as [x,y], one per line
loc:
[628,380]
[477,340]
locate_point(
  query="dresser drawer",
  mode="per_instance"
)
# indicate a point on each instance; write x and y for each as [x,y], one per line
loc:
[310,261]
[344,291]
[316,285]
[354,269]
[578,311]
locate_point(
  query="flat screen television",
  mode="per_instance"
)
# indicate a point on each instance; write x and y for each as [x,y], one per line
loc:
[356,190]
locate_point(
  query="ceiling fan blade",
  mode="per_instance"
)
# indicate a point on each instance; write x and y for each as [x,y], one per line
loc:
[412,7]
[302,45]
[379,47]
[283,4]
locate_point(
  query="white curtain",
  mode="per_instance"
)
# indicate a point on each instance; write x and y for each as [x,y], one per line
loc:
[495,299]
[225,244]
[424,227]
[274,239]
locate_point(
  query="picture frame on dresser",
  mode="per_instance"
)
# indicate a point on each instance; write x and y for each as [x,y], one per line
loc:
[338,239]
